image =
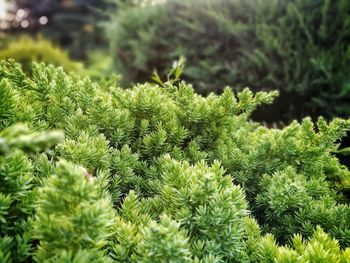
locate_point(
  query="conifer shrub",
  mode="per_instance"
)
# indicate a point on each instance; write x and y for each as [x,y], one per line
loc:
[71,217]
[18,189]
[158,173]
[297,47]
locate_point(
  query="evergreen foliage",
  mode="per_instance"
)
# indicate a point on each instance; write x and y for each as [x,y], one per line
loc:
[320,248]
[25,50]
[17,188]
[158,173]
[298,47]
[70,216]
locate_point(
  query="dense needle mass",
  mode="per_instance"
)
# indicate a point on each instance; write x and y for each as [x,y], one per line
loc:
[177,177]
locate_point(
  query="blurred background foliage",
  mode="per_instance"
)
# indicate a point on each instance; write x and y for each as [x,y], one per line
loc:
[76,25]
[26,49]
[300,47]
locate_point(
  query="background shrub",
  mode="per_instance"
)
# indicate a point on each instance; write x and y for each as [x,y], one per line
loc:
[26,50]
[298,47]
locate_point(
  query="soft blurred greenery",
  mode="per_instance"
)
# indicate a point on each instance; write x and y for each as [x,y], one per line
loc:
[26,49]
[297,46]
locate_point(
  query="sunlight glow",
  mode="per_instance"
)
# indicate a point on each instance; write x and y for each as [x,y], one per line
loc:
[3,9]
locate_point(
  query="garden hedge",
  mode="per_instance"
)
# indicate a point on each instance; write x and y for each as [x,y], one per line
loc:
[157,173]
[299,47]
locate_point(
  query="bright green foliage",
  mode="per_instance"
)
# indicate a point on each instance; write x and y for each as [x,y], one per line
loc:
[8,110]
[299,47]
[304,146]
[320,248]
[26,50]
[163,242]
[81,256]
[17,189]
[162,174]
[209,207]
[92,153]
[289,203]
[70,215]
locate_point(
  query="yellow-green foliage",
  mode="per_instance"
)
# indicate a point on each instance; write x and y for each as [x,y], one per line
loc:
[26,50]
[157,173]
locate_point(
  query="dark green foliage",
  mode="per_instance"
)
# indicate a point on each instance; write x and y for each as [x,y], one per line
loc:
[298,47]
[162,174]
